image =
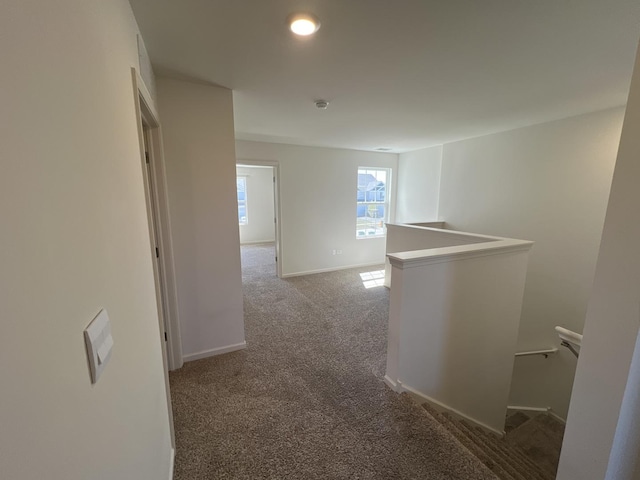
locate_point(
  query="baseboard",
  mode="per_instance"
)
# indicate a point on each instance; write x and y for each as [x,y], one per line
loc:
[172,463]
[214,351]
[546,410]
[441,407]
[332,269]
[553,414]
[390,383]
[259,242]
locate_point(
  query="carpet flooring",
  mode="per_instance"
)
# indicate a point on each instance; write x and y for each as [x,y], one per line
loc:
[539,437]
[305,399]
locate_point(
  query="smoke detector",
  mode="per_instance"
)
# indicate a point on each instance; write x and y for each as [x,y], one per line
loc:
[321,104]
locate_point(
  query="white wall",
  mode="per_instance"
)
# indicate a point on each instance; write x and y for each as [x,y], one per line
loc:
[318,204]
[624,460]
[611,326]
[260,207]
[75,239]
[547,183]
[201,176]
[419,185]
[453,324]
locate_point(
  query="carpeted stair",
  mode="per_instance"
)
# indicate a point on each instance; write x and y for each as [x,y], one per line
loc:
[506,461]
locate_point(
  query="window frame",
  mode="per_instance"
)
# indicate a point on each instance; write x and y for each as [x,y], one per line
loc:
[244,202]
[375,203]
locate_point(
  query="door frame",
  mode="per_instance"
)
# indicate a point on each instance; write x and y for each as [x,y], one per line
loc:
[147,115]
[276,207]
[148,123]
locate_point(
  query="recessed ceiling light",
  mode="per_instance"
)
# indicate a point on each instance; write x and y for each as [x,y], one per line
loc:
[303,24]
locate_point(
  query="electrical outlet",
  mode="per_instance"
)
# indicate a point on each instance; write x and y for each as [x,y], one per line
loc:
[339,252]
[333,252]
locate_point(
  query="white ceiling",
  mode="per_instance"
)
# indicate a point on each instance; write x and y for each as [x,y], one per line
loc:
[401,74]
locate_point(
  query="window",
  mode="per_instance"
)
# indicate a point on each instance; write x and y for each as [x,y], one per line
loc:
[372,201]
[241,187]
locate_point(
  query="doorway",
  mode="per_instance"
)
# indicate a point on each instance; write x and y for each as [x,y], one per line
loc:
[155,189]
[258,214]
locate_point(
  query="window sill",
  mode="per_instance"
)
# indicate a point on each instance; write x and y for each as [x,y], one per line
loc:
[370,237]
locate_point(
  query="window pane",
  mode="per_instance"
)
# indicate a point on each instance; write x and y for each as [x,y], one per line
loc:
[371,198]
[241,188]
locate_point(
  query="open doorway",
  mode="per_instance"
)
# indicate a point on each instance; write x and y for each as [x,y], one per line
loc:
[258,216]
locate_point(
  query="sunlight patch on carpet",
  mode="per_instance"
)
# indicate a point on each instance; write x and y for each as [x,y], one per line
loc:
[373,279]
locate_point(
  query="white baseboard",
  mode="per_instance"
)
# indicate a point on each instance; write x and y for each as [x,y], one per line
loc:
[214,351]
[546,410]
[390,383]
[331,269]
[553,414]
[441,407]
[172,463]
[259,242]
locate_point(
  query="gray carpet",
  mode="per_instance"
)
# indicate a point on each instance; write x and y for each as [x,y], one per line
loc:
[540,438]
[306,400]
[504,458]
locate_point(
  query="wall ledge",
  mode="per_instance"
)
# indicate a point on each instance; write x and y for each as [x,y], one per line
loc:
[418,258]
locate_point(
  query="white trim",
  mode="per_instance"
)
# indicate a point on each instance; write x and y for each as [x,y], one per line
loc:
[149,113]
[448,233]
[214,351]
[546,352]
[277,205]
[390,383]
[172,463]
[246,199]
[452,411]
[146,112]
[553,414]
[419,258]
[546,410]
[258,242]
[331,269]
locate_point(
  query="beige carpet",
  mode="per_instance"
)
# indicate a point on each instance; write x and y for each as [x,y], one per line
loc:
[306,400]
[502,456]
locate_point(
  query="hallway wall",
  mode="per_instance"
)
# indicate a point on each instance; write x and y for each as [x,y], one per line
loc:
[200,161]
[75,239]
[611,329]
[548,183]
[419,185]
[318,204]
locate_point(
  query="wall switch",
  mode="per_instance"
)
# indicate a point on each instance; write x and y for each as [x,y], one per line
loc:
[99,343]
[333,252]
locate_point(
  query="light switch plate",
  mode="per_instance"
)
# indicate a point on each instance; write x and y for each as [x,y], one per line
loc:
[99,343]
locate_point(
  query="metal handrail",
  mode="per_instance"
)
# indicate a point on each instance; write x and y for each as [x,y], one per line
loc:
[545,352]
[564,343]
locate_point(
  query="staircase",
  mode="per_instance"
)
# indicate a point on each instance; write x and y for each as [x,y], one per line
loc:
[528,452]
